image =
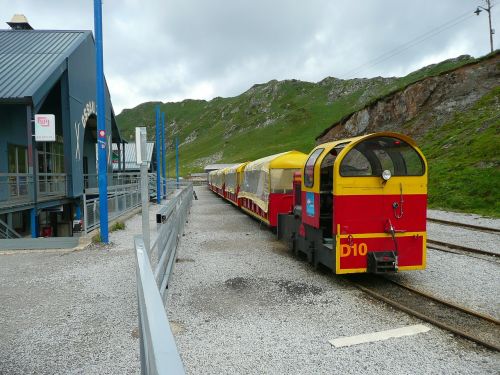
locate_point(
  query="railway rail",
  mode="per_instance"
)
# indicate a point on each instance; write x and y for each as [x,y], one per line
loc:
[453,248]
[479,328]
[464,225]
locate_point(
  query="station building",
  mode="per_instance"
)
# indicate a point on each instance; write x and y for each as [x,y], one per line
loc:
[42,183]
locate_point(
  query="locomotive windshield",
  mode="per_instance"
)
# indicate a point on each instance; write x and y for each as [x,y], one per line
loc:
[372,156]
[309,167]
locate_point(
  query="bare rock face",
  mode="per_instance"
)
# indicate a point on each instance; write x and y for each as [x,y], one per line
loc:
[428,103]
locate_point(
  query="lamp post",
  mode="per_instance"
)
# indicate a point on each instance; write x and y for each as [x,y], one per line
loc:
[101,124]
[478,10]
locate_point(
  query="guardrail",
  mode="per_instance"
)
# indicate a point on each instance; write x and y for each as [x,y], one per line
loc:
[116,180]
[119,202]
[159,353]
[51,185]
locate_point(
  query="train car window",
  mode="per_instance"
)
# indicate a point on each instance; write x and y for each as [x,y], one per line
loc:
[282,180]
[231,181]
[371,157]
[256,182]
[309,167]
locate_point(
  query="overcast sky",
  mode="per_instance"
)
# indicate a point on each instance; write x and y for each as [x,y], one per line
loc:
[172,50]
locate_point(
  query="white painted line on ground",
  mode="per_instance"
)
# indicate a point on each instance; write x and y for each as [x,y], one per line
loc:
[379,336]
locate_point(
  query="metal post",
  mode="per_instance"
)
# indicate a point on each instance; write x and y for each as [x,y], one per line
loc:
[118,145]
[34,231]
[163,156]
[32,168]
[166,165]
[101,124]
[145,204]
[177,161]
[158,180]
[123,156]
[85,214]
[141,158]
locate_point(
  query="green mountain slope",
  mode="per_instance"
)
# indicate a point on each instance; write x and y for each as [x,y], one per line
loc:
[268,118]
[283,115]
[464,159]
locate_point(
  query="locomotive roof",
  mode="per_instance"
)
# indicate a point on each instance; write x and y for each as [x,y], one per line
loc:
[403,137]
[235,168]
[284,160]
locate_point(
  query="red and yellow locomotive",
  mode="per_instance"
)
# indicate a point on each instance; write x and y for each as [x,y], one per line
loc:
[357,205]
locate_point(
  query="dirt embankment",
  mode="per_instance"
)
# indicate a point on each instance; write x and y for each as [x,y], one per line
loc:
[426,104]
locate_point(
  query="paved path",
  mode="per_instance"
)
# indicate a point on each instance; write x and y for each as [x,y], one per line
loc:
[70,311]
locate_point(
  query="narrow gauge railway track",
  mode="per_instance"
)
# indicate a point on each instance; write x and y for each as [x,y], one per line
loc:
[479,328]
[464,225]
[449,247]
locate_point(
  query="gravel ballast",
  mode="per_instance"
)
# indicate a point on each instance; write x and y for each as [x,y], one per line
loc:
[467,281]
[240,303]
[71,311]
[464,237]
[463,218]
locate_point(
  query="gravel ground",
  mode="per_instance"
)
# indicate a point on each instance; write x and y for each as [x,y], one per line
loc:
[466,281]
[464,237]
[71,311]
[464,218]
[239,303]
[462,279]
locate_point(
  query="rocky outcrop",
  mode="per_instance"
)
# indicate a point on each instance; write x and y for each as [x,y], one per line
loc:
[428,103]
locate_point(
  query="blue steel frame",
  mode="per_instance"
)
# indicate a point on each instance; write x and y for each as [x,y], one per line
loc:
[177,160]
[163,156]
[101,124]
[158,150]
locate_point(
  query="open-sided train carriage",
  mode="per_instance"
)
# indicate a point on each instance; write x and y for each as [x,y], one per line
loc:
[267,185]
[233,179]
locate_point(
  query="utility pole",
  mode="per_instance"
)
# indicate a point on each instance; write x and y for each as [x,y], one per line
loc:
[488,9]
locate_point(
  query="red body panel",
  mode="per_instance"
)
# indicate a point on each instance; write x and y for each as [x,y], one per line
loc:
[353,253]
[233,197]
[370,213]
[278,203]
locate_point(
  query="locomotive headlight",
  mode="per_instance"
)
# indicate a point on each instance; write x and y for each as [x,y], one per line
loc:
[386,175]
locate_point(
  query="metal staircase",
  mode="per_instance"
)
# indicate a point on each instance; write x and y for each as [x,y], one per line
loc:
[7,232]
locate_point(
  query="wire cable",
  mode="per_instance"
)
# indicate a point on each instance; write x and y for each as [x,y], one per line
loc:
[411,43]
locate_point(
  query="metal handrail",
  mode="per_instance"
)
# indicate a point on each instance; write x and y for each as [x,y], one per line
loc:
[7,232]
[158,351]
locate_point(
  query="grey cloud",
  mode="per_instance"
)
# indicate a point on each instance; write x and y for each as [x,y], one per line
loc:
[164,50]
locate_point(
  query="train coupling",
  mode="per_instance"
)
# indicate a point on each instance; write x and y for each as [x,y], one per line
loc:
[382,262]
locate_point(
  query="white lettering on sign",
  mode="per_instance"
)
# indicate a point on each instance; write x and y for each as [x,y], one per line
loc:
[88,110]
[45,128]
[77,133]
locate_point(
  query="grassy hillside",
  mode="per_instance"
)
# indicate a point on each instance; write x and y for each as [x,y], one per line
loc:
[279,116]
[268,118]
[464,159]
